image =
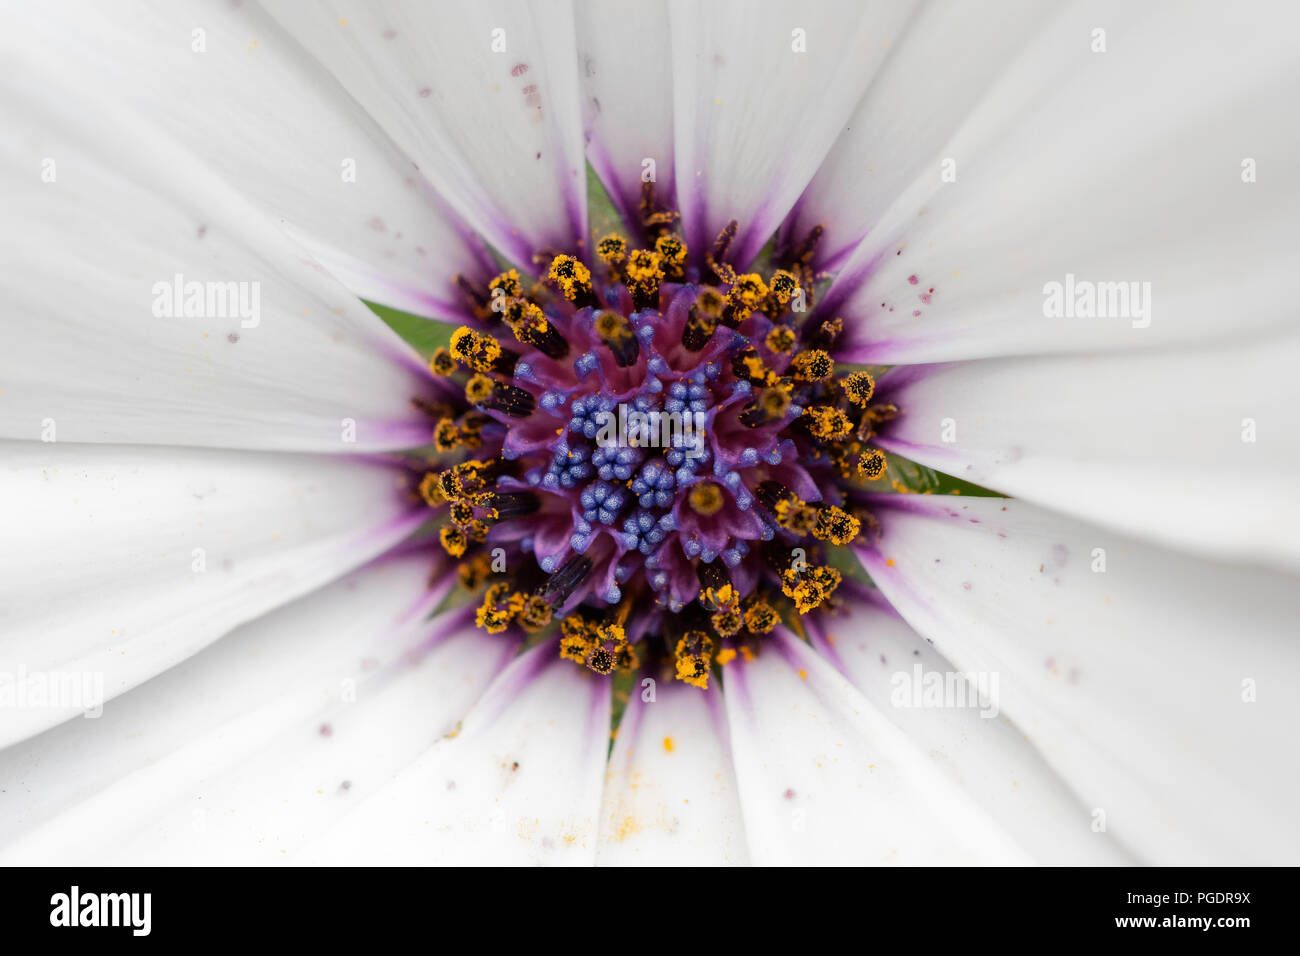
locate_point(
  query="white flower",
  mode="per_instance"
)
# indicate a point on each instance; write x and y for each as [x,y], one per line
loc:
[178,470]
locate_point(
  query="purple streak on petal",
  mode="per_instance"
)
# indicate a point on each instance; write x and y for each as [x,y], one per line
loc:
[736,686]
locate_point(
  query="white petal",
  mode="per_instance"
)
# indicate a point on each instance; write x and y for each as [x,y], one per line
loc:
[519,781]
[1127,166]
[483,95]
[1160,688]
[977,749]
[119,562]
[670,794]
[1191,448]
[96,347]
[242,98]
[938,71]
[626,106]
[261,742]
[824,777]
[760,91]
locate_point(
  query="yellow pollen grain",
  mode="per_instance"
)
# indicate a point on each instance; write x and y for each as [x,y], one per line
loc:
[668,744]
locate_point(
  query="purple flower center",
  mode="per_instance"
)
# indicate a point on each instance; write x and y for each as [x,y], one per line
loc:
[657,454]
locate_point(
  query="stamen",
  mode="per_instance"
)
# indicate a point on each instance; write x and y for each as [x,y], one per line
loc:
[702,321]
[746,294]
[813,365]
[761,617]
[645,269]
[693,653]
[501,397]
[576,639]
[573,280]
[782,287]
[672,252]
[499,608]
[482,352]
[431,491]
[476,297]
[531,327]
[713,260]
[442,363]
[508,283]
[770,405]
[454,541]
[446,435]
[835,525]
[827,423]
[612,250]
[560,585]
[809,587]
[871,465]
[859,387]
[706,498]
[474,572]
[615,331]
[514,504]
[826,334]
[780,340]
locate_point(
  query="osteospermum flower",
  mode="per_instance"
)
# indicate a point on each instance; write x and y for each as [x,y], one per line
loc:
[624,560]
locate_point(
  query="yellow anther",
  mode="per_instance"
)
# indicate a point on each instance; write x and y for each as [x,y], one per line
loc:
[475,571]
[859,387]
[626,658]
[809,587]
[644,265]
[508,283]
[570,276]
[813,365]
[536,613]
[525,319]
[760,618]
[478,389]
[872,464]
[780,339]
[710,302]
[793,514]
[461,512]
[498,609]
[446,435]
[479,352]
[828,423]
[673,253]
[693,654]
[602,660]
[454,541]
[706,498]
[774,401]
[442,362]
[431,490]
[612,250]
[782,287]
[748,289]
[836,525]
[576,640]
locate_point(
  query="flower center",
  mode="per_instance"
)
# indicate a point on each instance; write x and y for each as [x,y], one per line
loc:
[650,456]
